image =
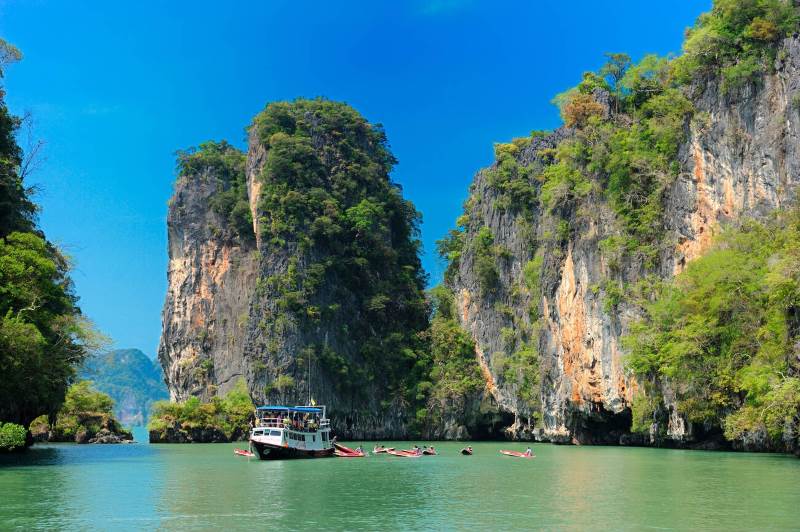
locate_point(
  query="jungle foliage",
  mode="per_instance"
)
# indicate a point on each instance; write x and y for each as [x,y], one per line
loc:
[230,414]
[723,334]
[453,377]
[225,164]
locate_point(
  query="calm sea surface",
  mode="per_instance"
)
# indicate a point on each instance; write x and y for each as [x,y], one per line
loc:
[204,487]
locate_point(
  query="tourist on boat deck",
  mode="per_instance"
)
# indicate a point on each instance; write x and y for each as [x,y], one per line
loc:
[359,449]
[529,452]
[417,450]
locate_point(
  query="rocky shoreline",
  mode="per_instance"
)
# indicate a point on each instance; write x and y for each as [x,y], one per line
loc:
[177,434]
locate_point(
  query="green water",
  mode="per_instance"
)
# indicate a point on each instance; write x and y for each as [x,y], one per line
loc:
[197,487]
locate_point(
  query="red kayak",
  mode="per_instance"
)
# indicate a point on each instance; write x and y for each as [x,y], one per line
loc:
[347,452]
[382,450]
[517,454]
[348,455]
[404,454]
[243,452]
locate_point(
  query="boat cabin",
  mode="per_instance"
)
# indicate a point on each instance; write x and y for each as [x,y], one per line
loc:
[301,428]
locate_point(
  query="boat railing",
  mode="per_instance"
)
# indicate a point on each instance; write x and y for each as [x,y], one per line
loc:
[271,422]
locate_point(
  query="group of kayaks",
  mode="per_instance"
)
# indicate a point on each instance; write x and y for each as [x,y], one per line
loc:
[416,452]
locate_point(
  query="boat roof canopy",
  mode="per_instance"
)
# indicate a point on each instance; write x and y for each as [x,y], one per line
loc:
[307,409]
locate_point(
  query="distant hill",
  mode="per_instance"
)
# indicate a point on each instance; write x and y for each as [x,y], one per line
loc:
[131,378]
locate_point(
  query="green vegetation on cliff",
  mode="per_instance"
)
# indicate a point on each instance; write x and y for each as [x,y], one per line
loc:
[454,377]
[227,164]
[723,335]
[736,40]
[43,335]
[328,203]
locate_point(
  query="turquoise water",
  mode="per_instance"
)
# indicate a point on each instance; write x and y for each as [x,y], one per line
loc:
[199,487]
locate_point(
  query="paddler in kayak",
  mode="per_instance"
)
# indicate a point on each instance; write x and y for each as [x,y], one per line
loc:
[528,451]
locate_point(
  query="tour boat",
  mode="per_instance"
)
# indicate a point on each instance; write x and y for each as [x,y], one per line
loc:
[517,454]
[291,432]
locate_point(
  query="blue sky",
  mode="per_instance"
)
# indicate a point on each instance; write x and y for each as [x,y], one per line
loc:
[115,88]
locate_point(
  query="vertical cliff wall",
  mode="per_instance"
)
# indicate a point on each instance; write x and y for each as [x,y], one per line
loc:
[211,276]
[738,157]
[319,295]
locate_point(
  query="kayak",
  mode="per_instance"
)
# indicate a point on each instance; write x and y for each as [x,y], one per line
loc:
[413,452]
[466,452]
[404,454]
[347,450]
[342,454]
[383,450]
[243,452]
[429,453]
[517,454]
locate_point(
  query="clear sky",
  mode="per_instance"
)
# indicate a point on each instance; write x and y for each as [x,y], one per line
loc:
[116,87]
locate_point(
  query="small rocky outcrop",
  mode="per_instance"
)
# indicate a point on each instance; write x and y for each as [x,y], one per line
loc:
[88,428]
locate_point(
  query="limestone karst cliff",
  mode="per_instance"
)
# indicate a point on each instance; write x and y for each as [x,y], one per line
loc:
[322,296]
[211,275]
[558,232]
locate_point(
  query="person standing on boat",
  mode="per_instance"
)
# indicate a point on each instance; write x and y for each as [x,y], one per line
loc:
[529,451]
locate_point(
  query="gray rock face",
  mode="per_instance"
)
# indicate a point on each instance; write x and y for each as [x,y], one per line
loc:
[740,159]
[211,278]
